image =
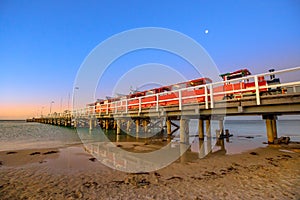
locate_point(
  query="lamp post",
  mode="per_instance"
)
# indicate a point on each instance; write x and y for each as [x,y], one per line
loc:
[74,106]
[51,106]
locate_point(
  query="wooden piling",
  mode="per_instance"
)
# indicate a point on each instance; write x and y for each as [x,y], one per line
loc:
[274,128]
[269,131]
[128,126]
[115,124]
[201,129]
[169,130]
[221,126]
[271,127]
[208,131]
[106,124]
[137,127]
[145,125]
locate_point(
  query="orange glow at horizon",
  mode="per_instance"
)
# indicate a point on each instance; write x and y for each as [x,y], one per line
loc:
[24,111]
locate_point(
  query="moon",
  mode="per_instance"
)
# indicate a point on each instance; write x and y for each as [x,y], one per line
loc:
[206,31]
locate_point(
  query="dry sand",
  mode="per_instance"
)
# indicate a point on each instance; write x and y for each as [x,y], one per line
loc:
[71,173]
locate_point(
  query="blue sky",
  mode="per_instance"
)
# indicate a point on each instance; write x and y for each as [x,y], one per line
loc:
[43,43]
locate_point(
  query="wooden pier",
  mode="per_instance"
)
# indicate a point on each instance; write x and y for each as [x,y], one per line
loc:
[142,119]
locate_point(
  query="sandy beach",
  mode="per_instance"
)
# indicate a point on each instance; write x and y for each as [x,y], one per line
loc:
[71,173]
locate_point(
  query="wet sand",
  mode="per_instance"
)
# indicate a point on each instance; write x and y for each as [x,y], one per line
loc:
[71,173]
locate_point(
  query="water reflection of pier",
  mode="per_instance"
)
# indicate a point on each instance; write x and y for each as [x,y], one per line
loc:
[123,156]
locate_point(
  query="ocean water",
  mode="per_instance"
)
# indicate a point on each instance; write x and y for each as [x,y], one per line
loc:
[16,135]
[247,134]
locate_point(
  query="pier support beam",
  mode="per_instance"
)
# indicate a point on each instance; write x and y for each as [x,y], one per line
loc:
[274,127]
[115,124]
[96,122]
[208,131]
[91,123]
[145,125]
[184,130]
[271,127]
[137,127]
[75,123]
[118,126]
[201,129]
[169,130]
[106,124]
[128,126]
[221,126]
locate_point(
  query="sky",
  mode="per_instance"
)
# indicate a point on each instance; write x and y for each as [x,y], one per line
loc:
[44,43]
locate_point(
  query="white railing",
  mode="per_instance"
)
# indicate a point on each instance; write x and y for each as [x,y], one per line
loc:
[209,95]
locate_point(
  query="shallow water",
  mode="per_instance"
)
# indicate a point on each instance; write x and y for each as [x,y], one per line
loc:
[16,135]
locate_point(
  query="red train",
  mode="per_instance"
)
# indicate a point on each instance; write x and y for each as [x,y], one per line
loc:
[193,91]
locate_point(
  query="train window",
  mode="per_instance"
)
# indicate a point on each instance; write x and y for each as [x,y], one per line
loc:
[207,80]
[175,87]
[149,92]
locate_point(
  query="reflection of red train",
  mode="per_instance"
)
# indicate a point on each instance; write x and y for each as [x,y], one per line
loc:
[194,91]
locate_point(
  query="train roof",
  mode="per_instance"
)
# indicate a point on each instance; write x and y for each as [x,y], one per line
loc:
[236,74]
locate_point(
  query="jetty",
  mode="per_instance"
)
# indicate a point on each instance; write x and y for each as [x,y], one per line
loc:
[249,101]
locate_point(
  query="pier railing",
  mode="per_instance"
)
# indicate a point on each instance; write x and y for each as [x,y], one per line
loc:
[211,93]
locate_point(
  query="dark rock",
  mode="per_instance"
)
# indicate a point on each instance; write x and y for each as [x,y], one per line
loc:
[254,153]
[92,159]
[11,152]
[50,152]
[35,153]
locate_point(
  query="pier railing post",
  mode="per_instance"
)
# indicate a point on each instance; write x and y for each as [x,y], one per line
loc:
[180,99]
[257,90]
[206,97]
[211,96]
[140,104]
[157,101]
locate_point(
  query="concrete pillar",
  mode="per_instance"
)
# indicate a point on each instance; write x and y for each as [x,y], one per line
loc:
[201,129]
[184,131]
[183,152]
[118,125]
[208,131]
[169,130]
